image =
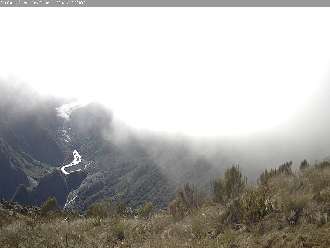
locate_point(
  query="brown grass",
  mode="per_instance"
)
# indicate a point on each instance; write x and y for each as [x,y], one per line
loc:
[305,194]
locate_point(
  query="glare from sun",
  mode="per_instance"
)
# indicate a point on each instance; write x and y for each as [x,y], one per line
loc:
[168,71]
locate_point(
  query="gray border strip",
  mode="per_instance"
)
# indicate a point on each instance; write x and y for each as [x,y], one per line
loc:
[164,3]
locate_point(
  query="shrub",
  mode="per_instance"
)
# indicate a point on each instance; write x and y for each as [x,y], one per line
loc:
[50,205]
[118,231]
[304,165]
[234,182]
[107,208]
[187,199]
[146,210]
[251,207]
[264,177]
[177,209]
[198,228]
[233,213]
[323,165]
[189,196]
[101,209]
[230,187]
[121,209]
[318,180]
[218,190]
[323,196]
[285,168]
[293,207]
[322,218]
[255,205]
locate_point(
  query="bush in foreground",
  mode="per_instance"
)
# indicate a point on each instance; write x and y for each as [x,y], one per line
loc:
[50,205]
[230,186]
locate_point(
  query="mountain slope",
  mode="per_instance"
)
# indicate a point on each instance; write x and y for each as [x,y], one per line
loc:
[11,175]
[45,132]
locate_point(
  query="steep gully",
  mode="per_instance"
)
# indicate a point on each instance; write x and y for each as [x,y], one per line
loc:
[64,112]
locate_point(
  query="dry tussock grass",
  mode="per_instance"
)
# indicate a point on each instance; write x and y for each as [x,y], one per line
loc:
[298,218]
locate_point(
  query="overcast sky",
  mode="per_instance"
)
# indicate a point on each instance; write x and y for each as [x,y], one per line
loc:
[196,71]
